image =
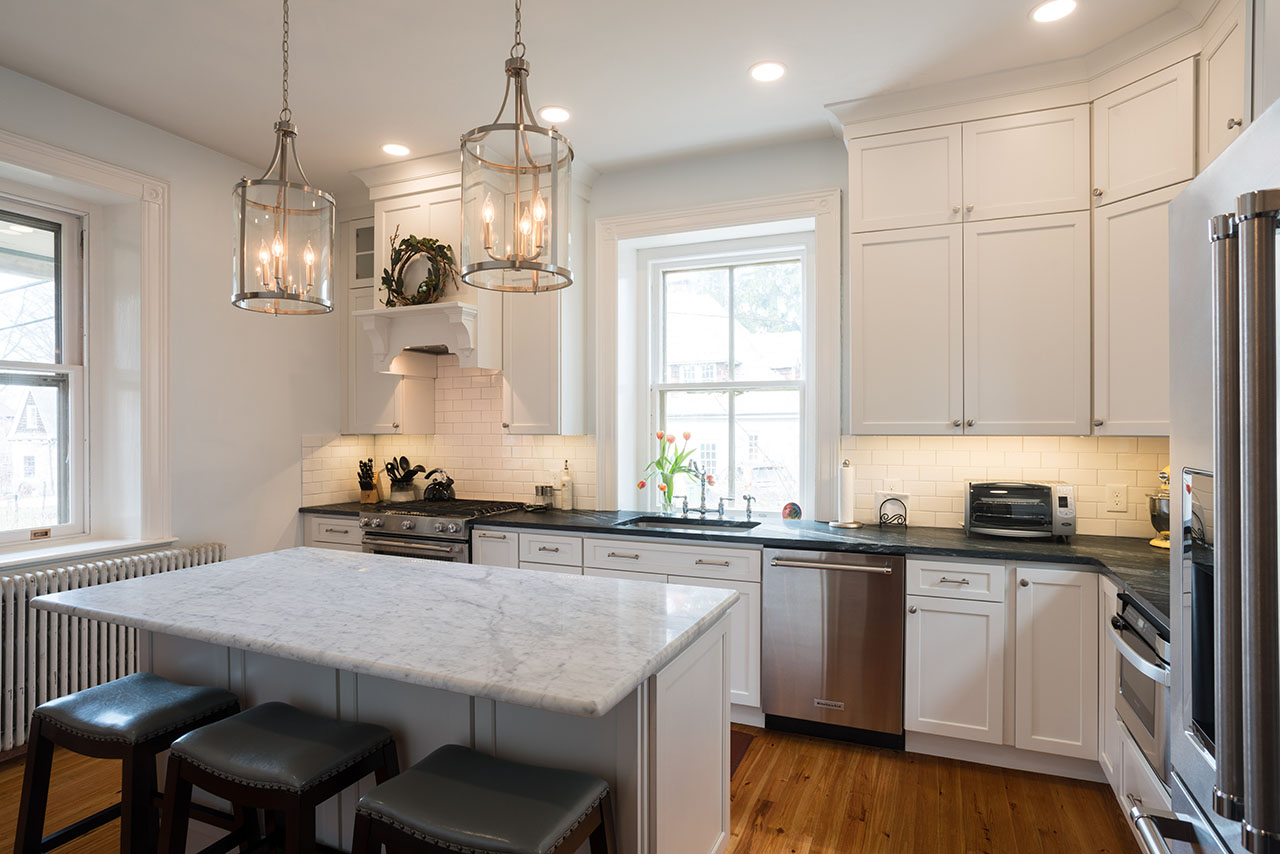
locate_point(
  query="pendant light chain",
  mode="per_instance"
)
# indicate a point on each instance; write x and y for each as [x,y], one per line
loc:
[285,113]
[518,43]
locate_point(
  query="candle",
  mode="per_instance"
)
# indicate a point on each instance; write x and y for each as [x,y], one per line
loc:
[264,257]
[277,249]
[309,257]
[539,216]
[486,214]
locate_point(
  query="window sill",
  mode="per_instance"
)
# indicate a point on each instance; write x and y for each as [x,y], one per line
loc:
[71,553]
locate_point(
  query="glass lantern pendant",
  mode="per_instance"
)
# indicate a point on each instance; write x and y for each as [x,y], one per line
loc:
[516,199]
[284,229]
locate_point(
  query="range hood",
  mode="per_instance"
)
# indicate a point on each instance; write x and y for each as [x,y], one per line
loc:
[439,328]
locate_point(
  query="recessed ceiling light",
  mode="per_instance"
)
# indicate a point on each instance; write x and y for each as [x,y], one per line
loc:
[396,149]
[21,229]
[767,72]
[1053,10]
[554,113]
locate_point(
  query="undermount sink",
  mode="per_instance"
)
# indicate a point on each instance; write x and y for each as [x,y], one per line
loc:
[677,523]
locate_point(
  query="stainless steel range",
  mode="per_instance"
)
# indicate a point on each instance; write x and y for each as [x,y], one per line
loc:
[436,530]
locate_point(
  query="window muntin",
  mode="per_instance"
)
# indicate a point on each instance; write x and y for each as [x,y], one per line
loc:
[730,347]
[40,373]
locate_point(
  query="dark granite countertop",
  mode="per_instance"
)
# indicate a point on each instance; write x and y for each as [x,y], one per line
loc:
[1137,568]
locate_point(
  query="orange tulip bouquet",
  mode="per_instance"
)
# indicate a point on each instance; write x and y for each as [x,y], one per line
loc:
[671,461]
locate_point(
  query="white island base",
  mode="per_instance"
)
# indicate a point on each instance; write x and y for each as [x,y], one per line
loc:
[664,748]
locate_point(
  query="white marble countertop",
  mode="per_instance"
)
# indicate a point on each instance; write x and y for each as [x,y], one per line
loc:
[565,643]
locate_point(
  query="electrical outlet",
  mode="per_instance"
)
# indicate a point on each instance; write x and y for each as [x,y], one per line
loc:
[1117,501]
[893,484]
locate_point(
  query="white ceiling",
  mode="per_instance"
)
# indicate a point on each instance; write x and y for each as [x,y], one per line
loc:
[646,80]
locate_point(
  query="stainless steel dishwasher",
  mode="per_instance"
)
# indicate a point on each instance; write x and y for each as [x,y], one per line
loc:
[832,644]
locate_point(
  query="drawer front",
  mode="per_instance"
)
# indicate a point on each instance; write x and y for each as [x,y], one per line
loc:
[626,576]
[551,548]
[333,529]
[673,559]
[551,567]
[956,580]
[1141,785]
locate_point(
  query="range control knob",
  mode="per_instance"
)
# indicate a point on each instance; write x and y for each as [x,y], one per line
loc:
[364,523]
[407,524]
[376,523]
[454,528]
[439,527]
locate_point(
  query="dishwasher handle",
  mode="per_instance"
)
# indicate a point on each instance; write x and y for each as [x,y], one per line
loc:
[843,567]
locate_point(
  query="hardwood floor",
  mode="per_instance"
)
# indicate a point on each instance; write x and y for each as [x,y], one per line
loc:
[791,795]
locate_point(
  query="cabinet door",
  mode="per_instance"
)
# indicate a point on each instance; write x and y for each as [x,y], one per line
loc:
[625,575]
[1144,134]
[1141,785]
[1131,315]
[495,548]
[955,668]
[1056,662]
[906,327]
[1030,163]
[1026,326]
[531,363]
[1110,744]
[744,636]
[373,398]
[900,180]
[1222,82]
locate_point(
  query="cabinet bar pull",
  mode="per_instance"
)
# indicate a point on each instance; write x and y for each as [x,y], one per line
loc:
[491,536]
[628,557]
[813,564]
[945,580]
[701,562]
[548,548]
[336,531]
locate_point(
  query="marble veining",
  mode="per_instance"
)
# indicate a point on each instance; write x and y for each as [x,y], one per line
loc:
[564,643]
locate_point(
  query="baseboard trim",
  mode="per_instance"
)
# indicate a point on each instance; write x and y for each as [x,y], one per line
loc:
[1004,756]
[748,715]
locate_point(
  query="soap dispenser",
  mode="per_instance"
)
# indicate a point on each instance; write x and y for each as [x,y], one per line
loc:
[566,489]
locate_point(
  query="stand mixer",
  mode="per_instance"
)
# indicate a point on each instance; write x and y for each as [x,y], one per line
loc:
[1158,507]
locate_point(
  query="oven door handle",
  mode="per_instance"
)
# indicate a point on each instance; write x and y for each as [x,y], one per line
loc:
[409,545]
[1149,666]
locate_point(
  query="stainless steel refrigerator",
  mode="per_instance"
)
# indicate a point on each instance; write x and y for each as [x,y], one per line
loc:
[1225,703]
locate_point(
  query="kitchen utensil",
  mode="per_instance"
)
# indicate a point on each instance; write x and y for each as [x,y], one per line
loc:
[439,486]
[1158,509]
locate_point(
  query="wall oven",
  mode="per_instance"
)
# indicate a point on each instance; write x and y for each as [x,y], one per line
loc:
[1143,676]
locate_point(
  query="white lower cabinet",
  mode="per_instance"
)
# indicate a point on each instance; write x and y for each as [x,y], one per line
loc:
[1109,726]
[625,575]
[955,668]
[744,637]
[341,533]
[551,567]
[495,548]
[1056,662]
[1141,785]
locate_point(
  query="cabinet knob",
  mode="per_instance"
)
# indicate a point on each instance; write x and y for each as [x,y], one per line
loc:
[968,208]
[505,425]
[969,423]
[1097,422]
[1235,123]
[955,423]
[1024,583]
[911,609]
[1097,191]
[395,425]
[955,209]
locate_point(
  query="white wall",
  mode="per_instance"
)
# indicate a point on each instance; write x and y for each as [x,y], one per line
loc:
[245,387]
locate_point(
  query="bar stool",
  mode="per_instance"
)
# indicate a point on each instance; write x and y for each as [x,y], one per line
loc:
[131,719]
[273,757]
[460,800]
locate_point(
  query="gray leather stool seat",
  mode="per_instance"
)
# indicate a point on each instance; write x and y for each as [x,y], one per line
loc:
[135,708]
[278,746]
[460,800]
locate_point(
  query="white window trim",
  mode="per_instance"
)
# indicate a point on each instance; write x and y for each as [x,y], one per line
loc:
[824,208]
[653,263]
[67,170]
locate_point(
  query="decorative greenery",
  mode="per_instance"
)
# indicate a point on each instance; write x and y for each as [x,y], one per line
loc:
[670,463]
[443,270]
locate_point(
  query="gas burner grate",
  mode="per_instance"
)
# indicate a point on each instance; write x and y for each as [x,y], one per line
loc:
[459,508]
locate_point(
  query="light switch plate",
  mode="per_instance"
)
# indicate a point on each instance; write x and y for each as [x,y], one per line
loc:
[1116,500]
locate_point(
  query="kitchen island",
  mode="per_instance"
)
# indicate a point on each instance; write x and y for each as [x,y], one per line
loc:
[623,679]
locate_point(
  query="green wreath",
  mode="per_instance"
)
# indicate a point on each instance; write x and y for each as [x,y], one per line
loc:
[443,270]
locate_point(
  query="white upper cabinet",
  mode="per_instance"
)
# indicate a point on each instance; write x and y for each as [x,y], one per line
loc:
[1056,667]
[1131,315]
[900,180]
[543,376]
[1223,70]
[906,327]
[1027,326]
[1144,134]
[1025,164]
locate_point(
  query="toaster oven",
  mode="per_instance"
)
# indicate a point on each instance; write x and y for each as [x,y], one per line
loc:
[1019,508]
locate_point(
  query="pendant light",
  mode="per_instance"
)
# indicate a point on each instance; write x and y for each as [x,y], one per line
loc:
[516,198]
[284,228]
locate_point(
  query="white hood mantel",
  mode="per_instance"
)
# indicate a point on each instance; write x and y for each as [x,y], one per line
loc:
[442,327]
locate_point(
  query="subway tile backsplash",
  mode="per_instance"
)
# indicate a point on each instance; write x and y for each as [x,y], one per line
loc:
[932,469]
